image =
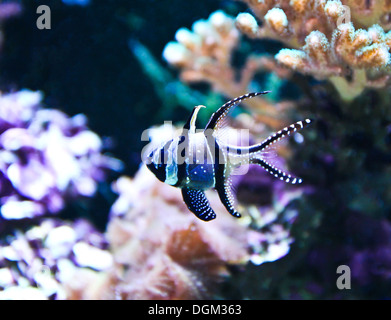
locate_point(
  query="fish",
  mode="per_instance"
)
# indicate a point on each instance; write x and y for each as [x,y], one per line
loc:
[198,161]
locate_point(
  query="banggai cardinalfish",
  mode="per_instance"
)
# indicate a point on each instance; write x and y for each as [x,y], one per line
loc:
[195,162]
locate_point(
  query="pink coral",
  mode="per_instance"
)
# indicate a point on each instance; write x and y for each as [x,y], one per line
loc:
[163,251]
[54,260]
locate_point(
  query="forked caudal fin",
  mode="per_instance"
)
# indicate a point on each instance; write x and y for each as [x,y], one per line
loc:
[254,153]
[287,131]
[276,172]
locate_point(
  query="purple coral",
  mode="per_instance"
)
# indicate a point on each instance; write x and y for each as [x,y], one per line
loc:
[54,260]
[45,157]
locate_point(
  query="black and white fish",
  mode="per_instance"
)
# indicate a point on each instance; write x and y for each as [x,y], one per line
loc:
[198,161]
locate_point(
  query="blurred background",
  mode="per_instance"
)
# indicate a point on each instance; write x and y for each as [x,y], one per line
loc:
[81,218]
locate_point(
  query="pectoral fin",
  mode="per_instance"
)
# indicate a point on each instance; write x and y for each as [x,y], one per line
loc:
[197,203]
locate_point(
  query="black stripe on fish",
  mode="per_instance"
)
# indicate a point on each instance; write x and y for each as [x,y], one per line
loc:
[182,152]
[159,167]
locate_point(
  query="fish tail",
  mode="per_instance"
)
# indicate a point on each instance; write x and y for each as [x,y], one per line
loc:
[278,173]
[287,131]
[255,154]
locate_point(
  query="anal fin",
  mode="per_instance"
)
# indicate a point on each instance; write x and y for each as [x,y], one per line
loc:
[197,203]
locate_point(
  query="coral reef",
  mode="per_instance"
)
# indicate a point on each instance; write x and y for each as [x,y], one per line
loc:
[154,248]
[54,260]
[46,157]
[342,41]
[346,156]
[161,250]
[324,39]
[289,242]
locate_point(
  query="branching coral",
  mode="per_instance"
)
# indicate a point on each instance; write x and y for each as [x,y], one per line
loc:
[325,42]
[345,42]
[205,54]
[369,12]
[45,157]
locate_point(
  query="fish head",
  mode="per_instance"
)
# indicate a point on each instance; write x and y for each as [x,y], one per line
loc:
[162,161]
[156,164]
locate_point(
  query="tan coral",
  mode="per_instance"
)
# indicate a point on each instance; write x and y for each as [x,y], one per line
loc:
[351,54]
[246,23]
[299,6]
[325,40]
[369,12]
[277,22]
[294,20]
[205,53]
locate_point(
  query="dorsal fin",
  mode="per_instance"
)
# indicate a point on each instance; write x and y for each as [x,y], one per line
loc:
[190,123]
[217,117]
